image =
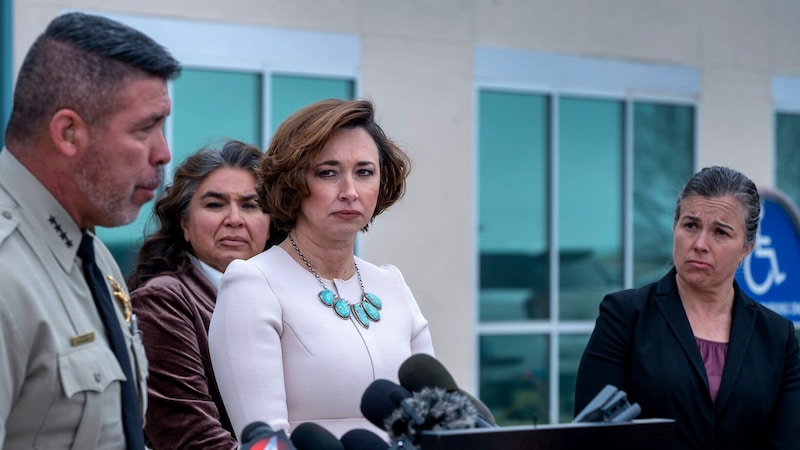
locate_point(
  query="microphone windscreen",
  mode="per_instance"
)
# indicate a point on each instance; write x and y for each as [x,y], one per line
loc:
[254,431]
[310,436]
[439,409]
[483,411]
[380,399]
[361,439]
[422,370]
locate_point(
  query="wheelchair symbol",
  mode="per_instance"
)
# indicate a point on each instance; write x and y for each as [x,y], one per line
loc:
[763,250]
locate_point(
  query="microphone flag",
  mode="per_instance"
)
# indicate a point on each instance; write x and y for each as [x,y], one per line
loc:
[260,436]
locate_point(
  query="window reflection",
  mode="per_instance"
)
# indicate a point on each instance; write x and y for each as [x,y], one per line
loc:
[663,159]
[514,260]
[513,206]
[589,203]
[787,154]
[514,378]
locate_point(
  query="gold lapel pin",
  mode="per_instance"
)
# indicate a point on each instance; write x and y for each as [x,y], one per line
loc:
[122,298]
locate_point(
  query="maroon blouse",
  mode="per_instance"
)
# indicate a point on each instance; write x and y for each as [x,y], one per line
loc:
[713,354]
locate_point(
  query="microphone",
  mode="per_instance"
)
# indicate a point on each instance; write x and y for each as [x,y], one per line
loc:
[381,398]
[361,439]
[404,415]
[310,436]
[441,410]
[260,436]
[424,371]
[610,405]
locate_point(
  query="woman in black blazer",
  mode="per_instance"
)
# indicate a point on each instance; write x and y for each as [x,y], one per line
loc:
[692,346]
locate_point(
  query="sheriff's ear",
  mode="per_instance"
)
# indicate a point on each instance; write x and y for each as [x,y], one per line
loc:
[68,132]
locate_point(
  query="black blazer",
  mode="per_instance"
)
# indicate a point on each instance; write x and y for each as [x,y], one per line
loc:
[643,344]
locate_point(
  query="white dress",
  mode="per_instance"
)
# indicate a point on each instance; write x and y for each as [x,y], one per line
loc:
[283,357]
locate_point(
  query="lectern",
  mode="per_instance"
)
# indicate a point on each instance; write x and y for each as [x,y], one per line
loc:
[647,434]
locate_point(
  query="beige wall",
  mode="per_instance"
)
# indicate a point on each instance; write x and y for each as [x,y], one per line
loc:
[417,67]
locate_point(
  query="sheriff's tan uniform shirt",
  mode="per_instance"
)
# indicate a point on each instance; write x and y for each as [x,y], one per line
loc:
[59,379]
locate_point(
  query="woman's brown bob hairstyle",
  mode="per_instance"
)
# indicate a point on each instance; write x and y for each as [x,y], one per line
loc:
[299,140]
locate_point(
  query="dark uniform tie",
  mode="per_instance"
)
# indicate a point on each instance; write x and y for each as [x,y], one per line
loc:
[131,414]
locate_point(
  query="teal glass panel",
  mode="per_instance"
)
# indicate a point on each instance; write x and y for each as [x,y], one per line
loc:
[290,93]
[209,107]
[590,204]
[213,105]
[663,142]
[512,191]
[514,380]
[570,351]
[6,77]
[787,155]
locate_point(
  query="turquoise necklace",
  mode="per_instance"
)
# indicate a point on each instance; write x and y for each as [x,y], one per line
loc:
[368,309]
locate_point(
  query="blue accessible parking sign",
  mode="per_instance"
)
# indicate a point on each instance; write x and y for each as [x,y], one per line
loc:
[771,273]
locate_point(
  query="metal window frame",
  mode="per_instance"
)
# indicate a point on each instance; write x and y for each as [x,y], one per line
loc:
[556,76]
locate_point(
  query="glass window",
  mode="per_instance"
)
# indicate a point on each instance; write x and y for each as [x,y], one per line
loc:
[5,67]
[290,93]
[211,106]
[589,203]
[513,206]
[787,154]
[600,144]
[514,377]
[663,146]
[570,351]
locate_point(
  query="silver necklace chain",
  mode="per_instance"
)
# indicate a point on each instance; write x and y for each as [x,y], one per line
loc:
[364,311]
[314,272]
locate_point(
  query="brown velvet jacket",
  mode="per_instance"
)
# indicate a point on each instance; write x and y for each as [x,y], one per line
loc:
[185,408]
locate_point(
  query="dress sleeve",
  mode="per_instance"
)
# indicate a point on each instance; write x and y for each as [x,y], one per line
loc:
[181,412]
[245,344]
[421,341]
[605,358]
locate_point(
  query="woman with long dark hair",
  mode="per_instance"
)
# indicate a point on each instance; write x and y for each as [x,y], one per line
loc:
[209,216]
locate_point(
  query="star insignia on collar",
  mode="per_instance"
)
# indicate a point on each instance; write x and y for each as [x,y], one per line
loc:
[61,233]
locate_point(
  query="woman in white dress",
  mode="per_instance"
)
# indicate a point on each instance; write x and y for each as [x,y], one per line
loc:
[301,330]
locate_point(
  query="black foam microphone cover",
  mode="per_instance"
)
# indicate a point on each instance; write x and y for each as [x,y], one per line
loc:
[310,436]
[361,439]
[421,371]
[439,410]
[380,399]
[484,412]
